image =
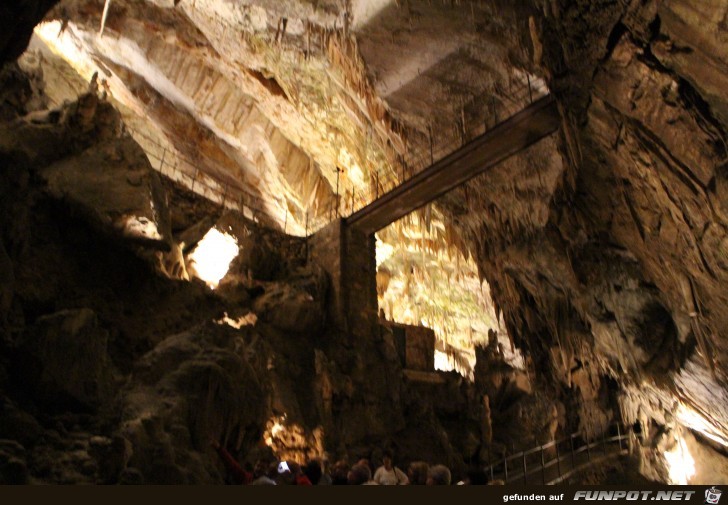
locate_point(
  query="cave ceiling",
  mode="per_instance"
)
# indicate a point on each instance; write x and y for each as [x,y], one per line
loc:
[273,96]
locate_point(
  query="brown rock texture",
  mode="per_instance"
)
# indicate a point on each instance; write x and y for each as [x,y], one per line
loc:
[607,261]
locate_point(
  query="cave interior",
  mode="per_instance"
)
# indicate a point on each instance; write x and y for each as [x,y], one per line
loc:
[483,234]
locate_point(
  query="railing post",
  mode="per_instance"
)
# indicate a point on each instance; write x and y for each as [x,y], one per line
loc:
[338,171]
[161,162]
[432,155]
[462,125]
[194,179]
[558,460]
[588,451]
[573,460]
[619,437]
[530,93]
[543,468]
[505,467]
[524,468]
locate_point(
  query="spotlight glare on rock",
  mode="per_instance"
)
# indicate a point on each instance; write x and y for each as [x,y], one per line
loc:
[680,463]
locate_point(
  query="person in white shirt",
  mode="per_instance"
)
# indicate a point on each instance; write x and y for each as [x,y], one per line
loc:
[389,475]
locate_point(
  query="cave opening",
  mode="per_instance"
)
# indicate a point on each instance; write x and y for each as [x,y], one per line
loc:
[424,281]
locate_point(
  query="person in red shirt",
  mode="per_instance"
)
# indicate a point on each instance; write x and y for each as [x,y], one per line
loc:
[238,474]
[289,473]
[301,478]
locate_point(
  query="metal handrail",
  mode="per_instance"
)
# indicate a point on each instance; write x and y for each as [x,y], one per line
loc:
[389,180]
[484,112]
[523,456]
[180,156]
[584,466]
[228,193]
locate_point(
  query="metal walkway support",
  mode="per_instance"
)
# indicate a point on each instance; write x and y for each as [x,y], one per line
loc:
[522,130]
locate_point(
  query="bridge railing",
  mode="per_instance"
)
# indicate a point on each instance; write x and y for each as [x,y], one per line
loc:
[532,466]
[211,183]
[478,116]
[169,161]
[218,188]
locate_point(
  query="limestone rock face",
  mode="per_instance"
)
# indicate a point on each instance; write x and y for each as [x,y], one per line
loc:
[13,469]
[109,178]
[295,306]
[264,254]
[692,44]
[618,283]
[81,152]
[114,184]
[18,425]
[261,260]
[191,388]
[22,92]
[67,353]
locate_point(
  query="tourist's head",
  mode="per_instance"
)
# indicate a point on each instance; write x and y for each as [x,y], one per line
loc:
[387,458]
[417,473]
[359,474]
[438,475]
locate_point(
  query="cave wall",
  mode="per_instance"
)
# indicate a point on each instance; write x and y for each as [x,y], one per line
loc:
[115,369]
[18,21]
[619,276]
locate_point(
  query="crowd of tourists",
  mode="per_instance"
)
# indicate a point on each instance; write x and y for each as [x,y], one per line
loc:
[317,472]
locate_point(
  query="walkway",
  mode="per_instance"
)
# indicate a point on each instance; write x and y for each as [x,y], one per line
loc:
[520,131]
[557,461]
